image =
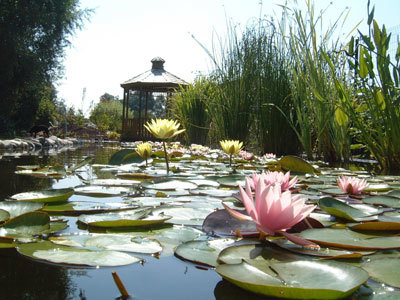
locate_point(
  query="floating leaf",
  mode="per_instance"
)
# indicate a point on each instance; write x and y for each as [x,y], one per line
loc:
[182,215]
[221,222]
[231,180]
[58,254]
[87,207]
[375,226]
[54,195]
[123,219]
[384,270]
[169,185]
[101,191]
[113,182]
[16,208]
[296,164]
[27,224]
[203,252]
[4,215]
[348,239]
[298,279]
[342,210]
[385,200]
[117,157]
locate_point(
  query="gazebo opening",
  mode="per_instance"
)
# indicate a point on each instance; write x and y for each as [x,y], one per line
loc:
[147,95]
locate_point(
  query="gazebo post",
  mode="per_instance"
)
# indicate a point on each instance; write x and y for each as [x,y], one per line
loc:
[140,114]
[123,111]
[147,100]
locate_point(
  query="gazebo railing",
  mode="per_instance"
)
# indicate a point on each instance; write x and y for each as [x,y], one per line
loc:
[135,129]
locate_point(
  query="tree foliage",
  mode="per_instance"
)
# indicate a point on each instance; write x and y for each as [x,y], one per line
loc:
[33,36]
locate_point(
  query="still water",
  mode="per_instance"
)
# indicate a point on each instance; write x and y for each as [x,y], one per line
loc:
[157,278]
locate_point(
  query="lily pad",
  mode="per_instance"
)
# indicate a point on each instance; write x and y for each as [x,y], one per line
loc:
[87,207]
[342,210]
[113,182]
[115,242]
[123,219]
[117,157]
[27,224]
[221,222]
[231,180]
[55,195]
[375,226]
[16,208]
[4,215]
[203,252]
[58,254]
[182,215]
[169,185]
[384,270]
[348,239]
[385,200]
[296,164]
[101,191]
[296,280]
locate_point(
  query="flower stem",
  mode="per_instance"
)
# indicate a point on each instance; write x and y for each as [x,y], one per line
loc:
[230,160]
[146,161]
[166,157]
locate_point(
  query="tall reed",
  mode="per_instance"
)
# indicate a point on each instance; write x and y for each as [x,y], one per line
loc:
[320,130]
[190,108]
[375,109]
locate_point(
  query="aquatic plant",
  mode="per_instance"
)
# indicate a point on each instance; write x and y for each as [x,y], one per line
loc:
[352,185]
[271,178]
[231,147]
[272,210]
[144,150]
[164,129]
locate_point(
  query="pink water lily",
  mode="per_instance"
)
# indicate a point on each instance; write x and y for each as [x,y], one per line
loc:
[352,185]
[271,178]
[272,210]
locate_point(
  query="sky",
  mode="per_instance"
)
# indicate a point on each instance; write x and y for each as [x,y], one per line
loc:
[123,36]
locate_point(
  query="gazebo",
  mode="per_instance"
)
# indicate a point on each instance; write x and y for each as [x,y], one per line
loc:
[156,80]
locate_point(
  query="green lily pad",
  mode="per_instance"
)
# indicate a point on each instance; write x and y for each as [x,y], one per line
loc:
[375,226]
[113,182]
[205,182]
[4,215]
[169,185]
[101,191]
[203,252]
[231,180]
[55,195]
[27,224]
[384,270]
[87,207]
[117,157]
[296,280]
[384,187]
[115,242]
[348,239]
[16,208]
[58,254]
[123,219]
[342,210]
[182,215]
[296,164]
[385,200]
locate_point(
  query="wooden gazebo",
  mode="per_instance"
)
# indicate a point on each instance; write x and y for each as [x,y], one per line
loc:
[156,80]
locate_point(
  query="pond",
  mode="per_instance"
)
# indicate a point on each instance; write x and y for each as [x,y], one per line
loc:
[160,275]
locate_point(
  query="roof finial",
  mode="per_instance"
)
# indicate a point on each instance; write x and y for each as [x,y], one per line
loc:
[158,63]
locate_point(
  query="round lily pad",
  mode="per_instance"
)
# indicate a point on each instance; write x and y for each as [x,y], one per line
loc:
[203,252]
[169,185]
[296,280]
[16,208]
[55,195]
[58,254]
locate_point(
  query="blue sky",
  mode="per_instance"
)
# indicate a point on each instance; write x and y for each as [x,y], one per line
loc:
[123,36]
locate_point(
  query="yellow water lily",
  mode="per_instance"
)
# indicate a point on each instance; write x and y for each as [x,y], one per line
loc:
[231,147]
[144,150]
[163,128]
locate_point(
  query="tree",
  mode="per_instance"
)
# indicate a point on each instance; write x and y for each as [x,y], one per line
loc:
[33,36]
[107,115]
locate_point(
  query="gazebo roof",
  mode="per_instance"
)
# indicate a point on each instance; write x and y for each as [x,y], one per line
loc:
[154,80]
